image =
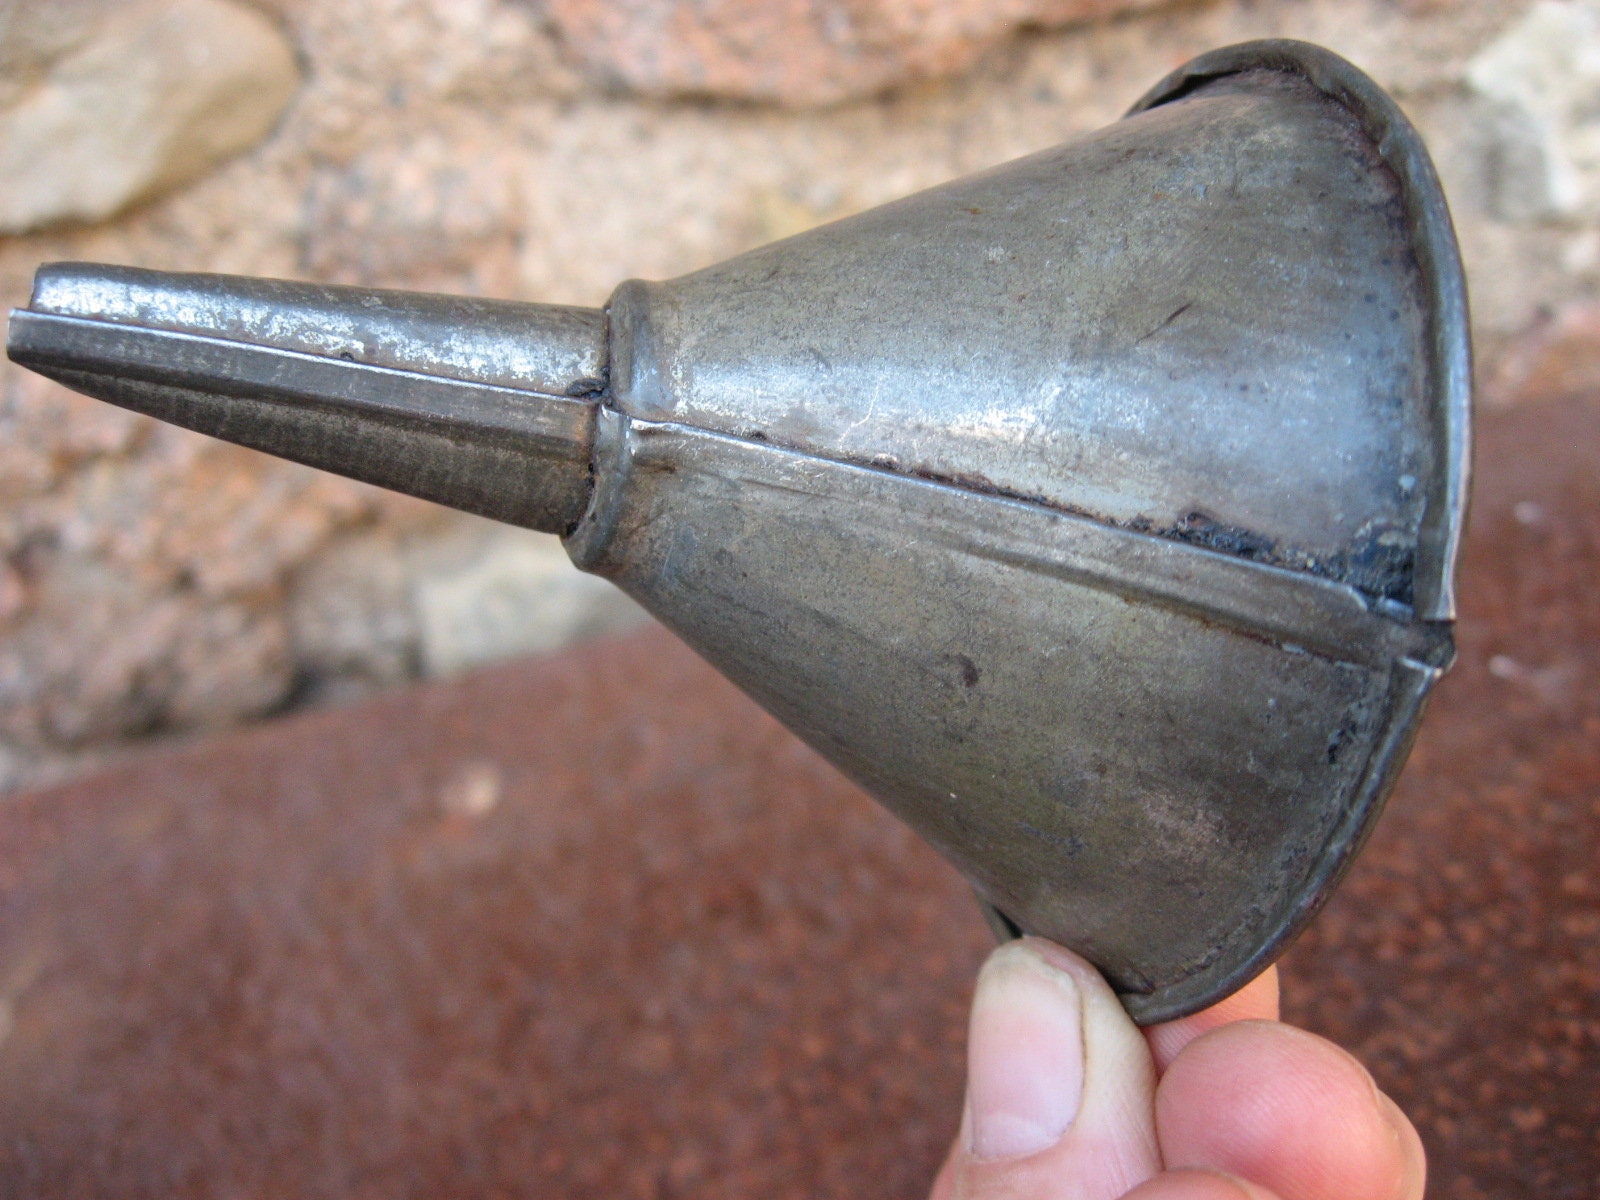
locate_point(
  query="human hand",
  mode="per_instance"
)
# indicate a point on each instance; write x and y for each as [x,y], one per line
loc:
[1068,1100]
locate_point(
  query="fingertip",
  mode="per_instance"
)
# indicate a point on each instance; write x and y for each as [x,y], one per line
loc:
[1288,1111]
[1255,1001]
[1416,1173]
[1059,1084]
[1025,1055]
[1198,1185]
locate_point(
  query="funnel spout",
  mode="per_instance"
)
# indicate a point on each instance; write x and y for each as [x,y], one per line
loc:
[486,406]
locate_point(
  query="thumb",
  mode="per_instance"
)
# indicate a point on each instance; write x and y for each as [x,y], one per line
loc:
[1060,1086]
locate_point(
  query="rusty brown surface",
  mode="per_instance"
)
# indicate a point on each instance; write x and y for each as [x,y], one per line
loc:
[595,927]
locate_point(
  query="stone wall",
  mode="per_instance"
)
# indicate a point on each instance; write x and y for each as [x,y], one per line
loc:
[153,582]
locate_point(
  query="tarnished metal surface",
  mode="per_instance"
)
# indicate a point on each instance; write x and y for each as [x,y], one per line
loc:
[1182,324]
[1159,781]
[483,405]
[1442,345]
[533,347]
[1097,512]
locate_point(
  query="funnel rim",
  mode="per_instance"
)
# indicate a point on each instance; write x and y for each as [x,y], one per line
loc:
[1433,242]
[1242,958]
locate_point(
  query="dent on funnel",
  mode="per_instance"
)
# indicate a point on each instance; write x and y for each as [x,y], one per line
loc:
[1096,513]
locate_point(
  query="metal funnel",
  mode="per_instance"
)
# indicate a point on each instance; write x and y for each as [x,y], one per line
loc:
[1097,513]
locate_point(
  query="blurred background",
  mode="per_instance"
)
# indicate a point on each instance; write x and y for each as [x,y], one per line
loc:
[155,583]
